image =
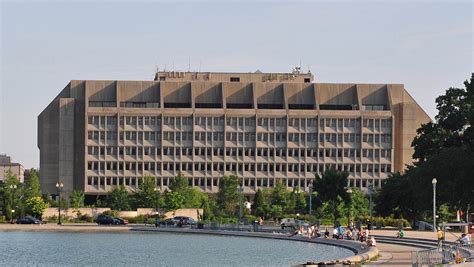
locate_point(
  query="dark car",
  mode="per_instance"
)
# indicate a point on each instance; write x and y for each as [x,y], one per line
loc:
[106,219]
[183,220]
[168,222]
[28,220]
[121,221]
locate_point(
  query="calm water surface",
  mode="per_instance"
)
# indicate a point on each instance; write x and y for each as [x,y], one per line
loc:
[157,249]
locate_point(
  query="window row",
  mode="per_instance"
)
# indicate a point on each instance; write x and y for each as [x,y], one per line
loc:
[236,167]
[240,152]
[239,122]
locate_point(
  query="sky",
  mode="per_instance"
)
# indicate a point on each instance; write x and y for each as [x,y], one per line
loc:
[426,45]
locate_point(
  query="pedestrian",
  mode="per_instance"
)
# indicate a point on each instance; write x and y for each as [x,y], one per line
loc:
[439,235]
[335,233]
[326,233]
[157,221]
[400,233]
[464,239]
[371,242]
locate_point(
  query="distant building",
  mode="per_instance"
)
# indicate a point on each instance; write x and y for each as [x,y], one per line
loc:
[262,127]
[6,165]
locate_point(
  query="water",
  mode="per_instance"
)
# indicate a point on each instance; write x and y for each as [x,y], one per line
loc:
[155,249]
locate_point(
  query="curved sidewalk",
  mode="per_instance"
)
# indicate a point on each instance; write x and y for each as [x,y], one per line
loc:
[393,254]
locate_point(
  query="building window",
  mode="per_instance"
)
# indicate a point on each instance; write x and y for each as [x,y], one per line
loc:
[235,79]
[307,80]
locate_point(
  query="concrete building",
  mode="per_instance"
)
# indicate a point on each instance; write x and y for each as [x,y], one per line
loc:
[262,127]
[6,165]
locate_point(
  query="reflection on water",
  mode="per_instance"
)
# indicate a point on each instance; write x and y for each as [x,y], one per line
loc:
[151,249]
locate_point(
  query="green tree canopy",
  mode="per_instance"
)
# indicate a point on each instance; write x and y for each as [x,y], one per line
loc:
[32,185]
[12,191]
[118,198]
[173,201]
[148,194]
[331,187]
[35,206]
[228,195]
[280,195]
[77,199]
[444,150]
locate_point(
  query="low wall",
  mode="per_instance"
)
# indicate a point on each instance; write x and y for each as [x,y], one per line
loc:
[93,212]
[49,212]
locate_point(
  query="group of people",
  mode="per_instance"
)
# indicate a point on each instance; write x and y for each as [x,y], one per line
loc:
[350,233]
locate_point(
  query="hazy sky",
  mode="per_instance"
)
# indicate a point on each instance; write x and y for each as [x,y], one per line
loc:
[426,45]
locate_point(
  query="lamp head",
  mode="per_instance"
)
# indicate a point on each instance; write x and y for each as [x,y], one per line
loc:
[434,181]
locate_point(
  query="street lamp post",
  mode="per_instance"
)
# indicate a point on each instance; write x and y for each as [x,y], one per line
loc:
[241,189]
[349,191]
[157,191]
[12,190]
[371,188]
[59,186]
[310,202]
[434,181]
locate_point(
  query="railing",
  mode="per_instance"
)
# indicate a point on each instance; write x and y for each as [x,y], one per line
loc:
[447,253]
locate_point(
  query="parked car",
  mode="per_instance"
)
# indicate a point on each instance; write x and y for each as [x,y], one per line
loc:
[121,221]
[183,220]
[422,225]
[287,223]
[299,223]
[106,219]
[28,220]
[168,222]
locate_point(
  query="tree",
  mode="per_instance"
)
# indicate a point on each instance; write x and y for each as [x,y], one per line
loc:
[258,202]
[118,198]
[179,183]
[228,195]
[207,206]
[148,195]
[77,200]
[331,187]
[35,206]
[301,202]
[32,185]
[280,195]
[193,197]
[397,196]
[173,201]
[358,206]
[11,196]
[445,150]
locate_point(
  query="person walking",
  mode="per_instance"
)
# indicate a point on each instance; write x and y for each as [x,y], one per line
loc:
[439,235]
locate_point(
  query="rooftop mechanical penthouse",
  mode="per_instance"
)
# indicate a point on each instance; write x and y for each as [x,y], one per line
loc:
[262,127]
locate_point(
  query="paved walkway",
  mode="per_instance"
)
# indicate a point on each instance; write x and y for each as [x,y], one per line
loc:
[400,255]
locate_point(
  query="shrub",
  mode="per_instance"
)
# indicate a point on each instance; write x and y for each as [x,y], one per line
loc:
[111,213]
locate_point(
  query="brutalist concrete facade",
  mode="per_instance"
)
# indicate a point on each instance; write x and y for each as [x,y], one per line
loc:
[262,127]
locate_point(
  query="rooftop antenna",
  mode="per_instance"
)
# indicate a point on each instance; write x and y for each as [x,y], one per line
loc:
[189,63]
[165,68]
